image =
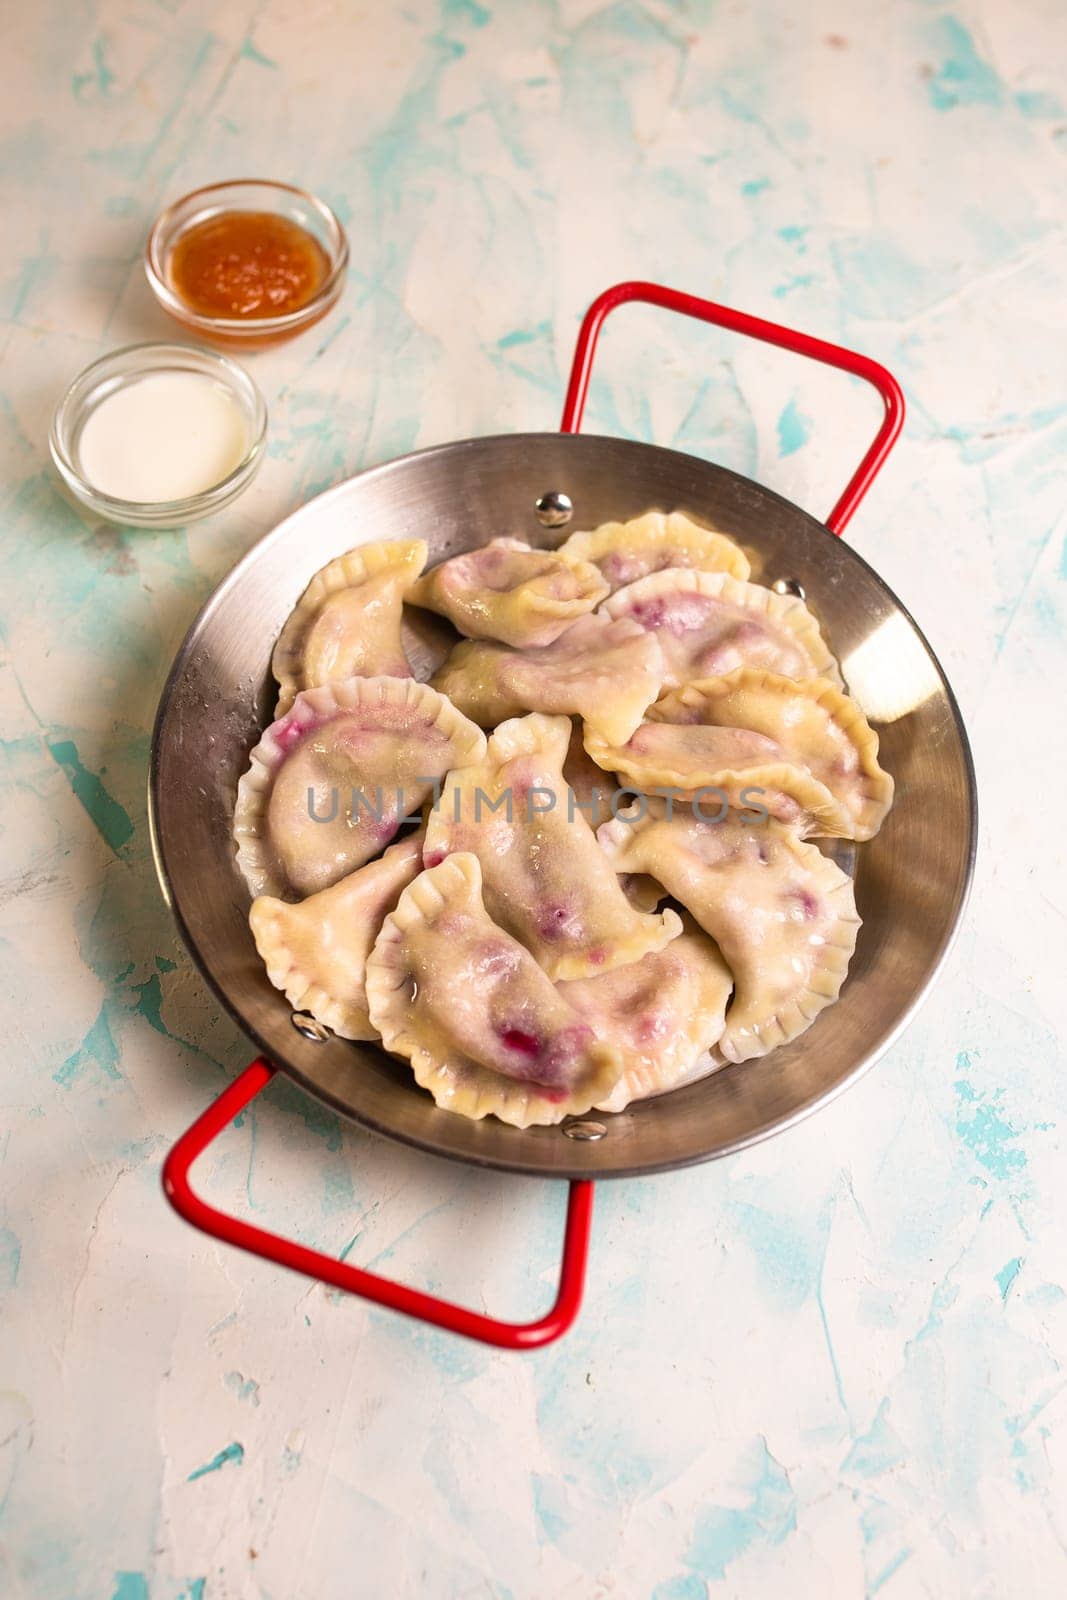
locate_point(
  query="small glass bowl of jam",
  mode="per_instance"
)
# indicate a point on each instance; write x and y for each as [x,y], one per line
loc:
[249,262]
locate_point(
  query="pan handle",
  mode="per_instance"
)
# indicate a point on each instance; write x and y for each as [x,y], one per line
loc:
[804,344]
[368,1285]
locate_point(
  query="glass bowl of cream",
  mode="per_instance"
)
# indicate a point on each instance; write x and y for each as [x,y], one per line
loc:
[158,435]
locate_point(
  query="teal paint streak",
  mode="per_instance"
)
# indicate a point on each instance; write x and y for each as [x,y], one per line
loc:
[1063,561]
[101,78]
[196,1590]
[1039,104]
[755,186]
[963,79]
[794,430]
[97,1047]
[150,1004]
[244,1388]
[233,1452]
[883,1577]
[683,1587]
[787,1255]
[550,1506]
[801,280]
[524,336]
[724,1533]
[466,11]
[250,52]
[337,1192]
[104,811]
[1007,1275]
[10,1259]
[130,1586]
[983,1129]
[34,272]
[876,1451]
[317,1119]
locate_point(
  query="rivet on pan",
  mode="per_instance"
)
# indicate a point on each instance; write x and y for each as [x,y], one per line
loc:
[306,1024]
[584,1130]
[788,586]
[554,509]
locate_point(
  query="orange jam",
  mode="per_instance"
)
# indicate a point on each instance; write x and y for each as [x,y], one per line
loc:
[247,265]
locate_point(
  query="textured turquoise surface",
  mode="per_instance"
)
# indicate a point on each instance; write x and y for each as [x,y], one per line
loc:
[830,1367]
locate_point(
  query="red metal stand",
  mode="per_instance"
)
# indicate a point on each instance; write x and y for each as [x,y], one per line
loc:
[803,344]
[383,1291]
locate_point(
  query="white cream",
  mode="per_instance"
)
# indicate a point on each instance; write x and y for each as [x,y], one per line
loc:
[165,436]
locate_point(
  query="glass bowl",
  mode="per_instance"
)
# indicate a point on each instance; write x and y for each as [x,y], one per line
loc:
[247,194]
[116,371]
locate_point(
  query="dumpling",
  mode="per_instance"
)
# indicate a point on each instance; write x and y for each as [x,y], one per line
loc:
[483,1027]
[347,621]
[626,551]
[782,914]
[511,592]
[316,952]
[598,796]
[803,751]
[328,784]
[592,787]
[545,878]
[709,624]
[606,672]
[662,1013]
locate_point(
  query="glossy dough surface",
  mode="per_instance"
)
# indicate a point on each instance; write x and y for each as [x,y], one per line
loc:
[523,949]
[709,624]
[805,748]
[329,783]
[626,551]
[544,877]
[603,671]
[661,1013]
[782,914]
[510,592]
[347,621]
[316,952]
[483,1027]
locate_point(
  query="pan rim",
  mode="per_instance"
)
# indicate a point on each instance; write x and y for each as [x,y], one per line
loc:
[576,1168]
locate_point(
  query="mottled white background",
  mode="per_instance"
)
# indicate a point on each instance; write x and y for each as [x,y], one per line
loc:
[830,1367]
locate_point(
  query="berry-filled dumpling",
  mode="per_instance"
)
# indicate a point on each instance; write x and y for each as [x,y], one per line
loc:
[545,878]
[662,1013]
[347,621]
[781,913]
[316,952]
[709,624]
[329,783]
[803,751]
[605,672]
[511,592]
[626,551]
[484,1029]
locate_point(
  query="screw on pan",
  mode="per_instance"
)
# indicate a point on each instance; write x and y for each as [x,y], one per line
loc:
[789,586]
[584,1130]
[307,1025]
[554,509]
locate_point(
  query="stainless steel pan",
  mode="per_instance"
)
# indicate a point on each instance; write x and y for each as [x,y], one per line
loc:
[911,881]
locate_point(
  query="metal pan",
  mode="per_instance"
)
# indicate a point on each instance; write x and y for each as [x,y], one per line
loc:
[911,881]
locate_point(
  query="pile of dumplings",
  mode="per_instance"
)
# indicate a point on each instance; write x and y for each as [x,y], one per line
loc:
[576,861]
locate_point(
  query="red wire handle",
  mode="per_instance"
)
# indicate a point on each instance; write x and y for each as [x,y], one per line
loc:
[383,1291]
[804,344]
